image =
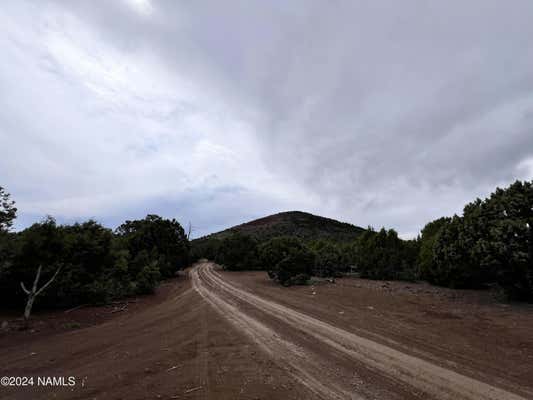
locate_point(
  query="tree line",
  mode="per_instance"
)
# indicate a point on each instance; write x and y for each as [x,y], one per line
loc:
[290,260]
[87,262]
[489,244]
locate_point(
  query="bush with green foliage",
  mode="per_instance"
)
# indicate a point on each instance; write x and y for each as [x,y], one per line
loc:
[383,255]
[237,252]
[148,278]
[328,259]
[287,260]
[453,264]
[204,248]
[428,238]
[491,242]
[163,239]
[97,265]
[349,253]
[83,251]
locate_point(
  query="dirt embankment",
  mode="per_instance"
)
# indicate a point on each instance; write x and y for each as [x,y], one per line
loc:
[223,335]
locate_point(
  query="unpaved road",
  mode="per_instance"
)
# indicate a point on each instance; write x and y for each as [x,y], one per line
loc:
[223,335]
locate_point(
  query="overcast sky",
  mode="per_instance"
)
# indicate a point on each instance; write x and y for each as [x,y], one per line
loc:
[383,113]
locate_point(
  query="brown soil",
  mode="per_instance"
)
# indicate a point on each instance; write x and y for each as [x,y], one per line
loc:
[45,323]
[224,335]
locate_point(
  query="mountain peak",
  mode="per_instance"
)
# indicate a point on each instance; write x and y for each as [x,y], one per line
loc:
[294,223]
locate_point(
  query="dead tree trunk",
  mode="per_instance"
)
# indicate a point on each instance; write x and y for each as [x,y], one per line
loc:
[34,292]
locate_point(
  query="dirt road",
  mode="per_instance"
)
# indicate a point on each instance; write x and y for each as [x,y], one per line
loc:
[223,335]
[316,361]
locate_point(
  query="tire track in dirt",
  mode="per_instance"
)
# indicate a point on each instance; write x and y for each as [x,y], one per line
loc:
[304,368]
[426,376]
[202,351]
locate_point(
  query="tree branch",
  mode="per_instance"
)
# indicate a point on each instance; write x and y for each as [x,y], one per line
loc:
[24,288]
[49,282]
[36,281]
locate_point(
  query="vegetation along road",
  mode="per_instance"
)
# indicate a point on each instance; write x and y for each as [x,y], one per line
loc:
[225,335]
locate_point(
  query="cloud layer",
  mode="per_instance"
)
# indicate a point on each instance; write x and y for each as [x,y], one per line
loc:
[375,113]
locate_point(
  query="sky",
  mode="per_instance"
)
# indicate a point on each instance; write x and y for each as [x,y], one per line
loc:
[380,113]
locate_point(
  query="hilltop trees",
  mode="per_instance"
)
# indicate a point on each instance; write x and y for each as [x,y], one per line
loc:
[239,247]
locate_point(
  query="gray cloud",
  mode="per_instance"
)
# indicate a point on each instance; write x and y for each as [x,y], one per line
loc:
[372,112]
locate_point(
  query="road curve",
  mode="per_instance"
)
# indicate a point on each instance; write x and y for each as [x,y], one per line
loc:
[286,334]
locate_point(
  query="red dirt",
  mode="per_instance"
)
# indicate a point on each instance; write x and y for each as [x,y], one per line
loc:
[224,335]
[45,323]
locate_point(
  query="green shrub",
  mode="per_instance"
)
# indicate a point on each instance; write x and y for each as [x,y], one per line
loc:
[148,278]
[328,259]
[237,252]
[162,239]
[207,248]
[287,260]
[491,243]
[300,279]
[425,260]
[98,292]
[97,265]
[72,325]
[383,255]
[453,264]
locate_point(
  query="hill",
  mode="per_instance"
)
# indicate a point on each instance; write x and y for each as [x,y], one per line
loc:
[293,223]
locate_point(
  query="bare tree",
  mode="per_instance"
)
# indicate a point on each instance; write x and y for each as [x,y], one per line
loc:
[34,292]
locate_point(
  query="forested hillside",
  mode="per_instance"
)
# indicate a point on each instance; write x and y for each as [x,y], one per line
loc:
[298,224]
[490,244]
